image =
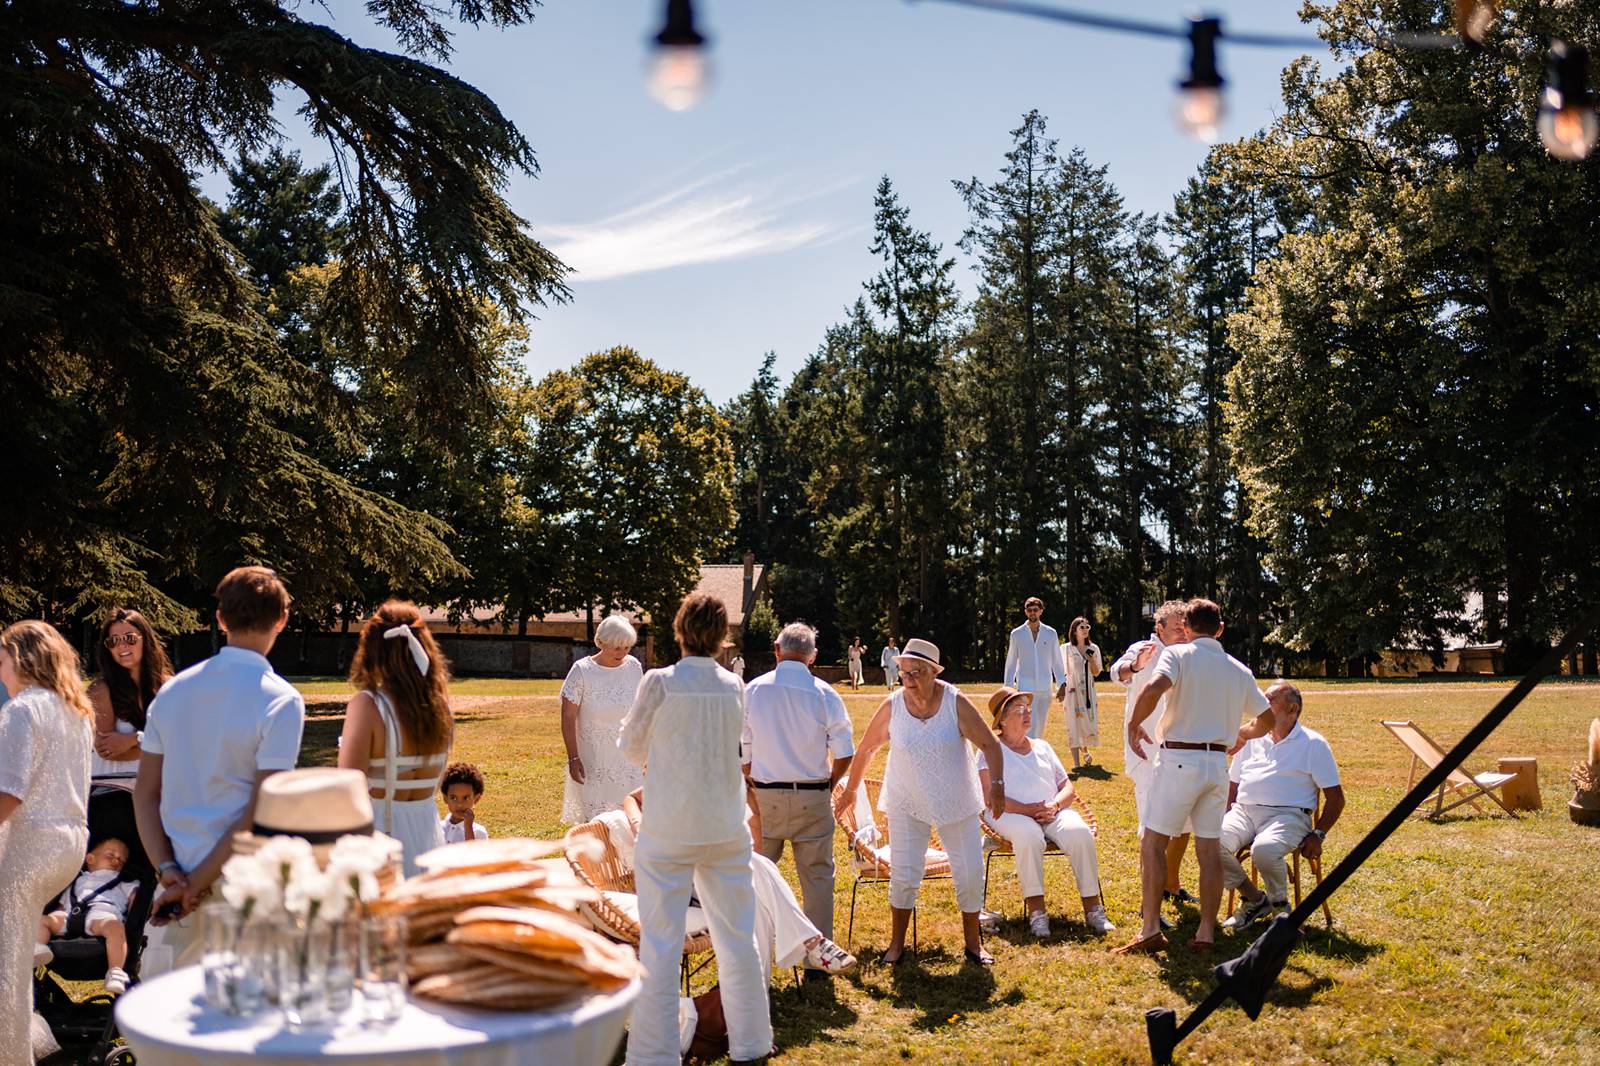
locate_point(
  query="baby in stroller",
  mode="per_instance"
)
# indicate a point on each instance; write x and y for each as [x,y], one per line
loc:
[96,903]
[82,1024]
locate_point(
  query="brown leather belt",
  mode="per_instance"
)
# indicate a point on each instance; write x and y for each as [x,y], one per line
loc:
[1183,745]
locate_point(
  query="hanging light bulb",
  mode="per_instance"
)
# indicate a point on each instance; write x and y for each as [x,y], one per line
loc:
[679,72]
[1567,123]
[1473,19]
[1200,105]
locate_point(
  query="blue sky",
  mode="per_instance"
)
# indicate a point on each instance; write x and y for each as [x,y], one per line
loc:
[705,238]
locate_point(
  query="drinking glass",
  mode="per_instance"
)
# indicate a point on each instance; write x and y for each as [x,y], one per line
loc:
[382,973]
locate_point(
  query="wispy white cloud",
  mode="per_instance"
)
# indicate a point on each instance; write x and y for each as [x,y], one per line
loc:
[709,219]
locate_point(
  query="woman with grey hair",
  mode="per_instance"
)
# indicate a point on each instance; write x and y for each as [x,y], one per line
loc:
[597,694]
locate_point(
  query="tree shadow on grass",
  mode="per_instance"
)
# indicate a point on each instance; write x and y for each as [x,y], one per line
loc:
[940,997]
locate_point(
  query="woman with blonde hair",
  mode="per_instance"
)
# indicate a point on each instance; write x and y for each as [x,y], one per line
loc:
[398,726]
[595,697]
[46,732]
[133,667]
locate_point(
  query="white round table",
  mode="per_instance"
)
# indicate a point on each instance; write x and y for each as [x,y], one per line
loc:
[167,1023]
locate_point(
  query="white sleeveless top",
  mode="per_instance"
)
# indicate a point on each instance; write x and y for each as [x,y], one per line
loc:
[931,775]
[385,774]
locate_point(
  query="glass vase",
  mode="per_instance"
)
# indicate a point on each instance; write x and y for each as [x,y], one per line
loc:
[304,953]
[382,974]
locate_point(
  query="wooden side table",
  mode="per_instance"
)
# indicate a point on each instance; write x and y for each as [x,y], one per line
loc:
[1522,792]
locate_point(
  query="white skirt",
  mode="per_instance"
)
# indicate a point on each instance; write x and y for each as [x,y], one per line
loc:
[416,826]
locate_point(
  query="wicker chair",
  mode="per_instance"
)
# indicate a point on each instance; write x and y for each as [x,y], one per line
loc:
[995,844]
[595,862]
[870,865]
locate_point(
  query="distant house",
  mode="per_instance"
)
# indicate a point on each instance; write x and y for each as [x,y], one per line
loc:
[740,586]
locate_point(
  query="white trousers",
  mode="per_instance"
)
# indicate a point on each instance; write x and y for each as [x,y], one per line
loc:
[891,674]
[1069,832]
[1041,712]
[719,874]
[782,928]
[1272,834]
[908,853]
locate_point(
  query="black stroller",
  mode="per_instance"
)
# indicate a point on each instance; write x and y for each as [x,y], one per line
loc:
[83,1025]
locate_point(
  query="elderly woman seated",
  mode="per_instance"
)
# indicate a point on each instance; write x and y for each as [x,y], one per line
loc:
[784,935]
[1039,809]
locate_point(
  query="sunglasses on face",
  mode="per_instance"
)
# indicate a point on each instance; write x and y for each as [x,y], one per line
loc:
[130,639]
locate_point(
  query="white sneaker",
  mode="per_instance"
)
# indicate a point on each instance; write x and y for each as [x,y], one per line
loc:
[1097,921]
[829,957]
[42,955]
[1248,913]
[116,981]
[1039,922]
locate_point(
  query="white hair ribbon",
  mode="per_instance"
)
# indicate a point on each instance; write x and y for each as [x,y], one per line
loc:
[419,655]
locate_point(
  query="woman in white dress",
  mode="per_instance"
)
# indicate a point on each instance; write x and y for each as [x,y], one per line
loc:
[853,657]
[398,727]
[1039,809]
[596,696]
[46,733]
[1081,658]
[133,667]
[930,783]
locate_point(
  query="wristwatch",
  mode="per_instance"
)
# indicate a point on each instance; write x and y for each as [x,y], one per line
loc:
[170,864]
[1319,834]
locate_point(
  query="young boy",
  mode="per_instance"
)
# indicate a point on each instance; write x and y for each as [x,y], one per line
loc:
[462,786]
[105,900]
[212,735]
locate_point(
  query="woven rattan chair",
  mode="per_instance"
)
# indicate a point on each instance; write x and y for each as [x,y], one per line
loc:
[872,866]
[595,862]
[994,844]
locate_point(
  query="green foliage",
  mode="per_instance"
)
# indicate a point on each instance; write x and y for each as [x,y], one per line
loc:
[1417,401]
[174,417]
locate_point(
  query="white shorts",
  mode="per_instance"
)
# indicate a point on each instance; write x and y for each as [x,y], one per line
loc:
[1188,789]
[1141,799]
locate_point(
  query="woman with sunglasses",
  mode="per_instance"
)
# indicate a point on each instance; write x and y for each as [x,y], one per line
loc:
[1081,657]
[133,667]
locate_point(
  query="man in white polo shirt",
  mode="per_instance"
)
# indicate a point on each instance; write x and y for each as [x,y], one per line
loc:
[796,747]
[1272,795]
[1034,664]
[1208,695]
[212,735]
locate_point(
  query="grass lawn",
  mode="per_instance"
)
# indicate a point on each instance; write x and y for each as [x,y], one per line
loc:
[1472,940]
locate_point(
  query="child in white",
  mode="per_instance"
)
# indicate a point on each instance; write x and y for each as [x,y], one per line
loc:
[462,788]
[105,898]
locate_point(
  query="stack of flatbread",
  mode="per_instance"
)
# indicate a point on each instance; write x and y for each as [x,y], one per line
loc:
[494,924]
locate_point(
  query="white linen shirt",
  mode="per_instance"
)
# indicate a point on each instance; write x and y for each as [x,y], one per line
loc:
[1033,661]
[1285,773]
[684,730]
[1137,767]
[795,725]
[215,726]
[1211,694]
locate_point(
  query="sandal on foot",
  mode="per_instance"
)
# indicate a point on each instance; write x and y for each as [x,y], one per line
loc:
[885,960]
[979,957]
[1149,945]
[1203,947]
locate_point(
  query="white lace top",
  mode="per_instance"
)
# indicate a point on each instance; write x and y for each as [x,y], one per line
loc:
[931,775]
[604,696]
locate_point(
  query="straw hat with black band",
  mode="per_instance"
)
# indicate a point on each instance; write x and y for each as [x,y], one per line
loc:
[921,651]
[317,804]
[1002,698]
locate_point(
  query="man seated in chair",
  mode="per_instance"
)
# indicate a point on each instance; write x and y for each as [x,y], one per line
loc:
[1272,794]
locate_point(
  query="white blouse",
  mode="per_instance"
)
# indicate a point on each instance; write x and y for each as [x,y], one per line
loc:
[930,775]
[1031,778]
[684,729]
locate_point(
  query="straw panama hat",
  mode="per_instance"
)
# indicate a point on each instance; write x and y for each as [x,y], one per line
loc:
[922,651]
[1000,698]
[319,804]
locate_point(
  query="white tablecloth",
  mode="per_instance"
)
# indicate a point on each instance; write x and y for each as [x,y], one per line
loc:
[168,1024]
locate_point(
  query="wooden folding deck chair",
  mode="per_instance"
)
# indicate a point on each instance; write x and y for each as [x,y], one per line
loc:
[596,863]
[994,844]
[1460,785]
[871,859]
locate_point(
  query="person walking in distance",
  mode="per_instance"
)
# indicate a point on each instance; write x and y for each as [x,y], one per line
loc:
[1209,693]
[796,746]
[853,655]
[1034,663]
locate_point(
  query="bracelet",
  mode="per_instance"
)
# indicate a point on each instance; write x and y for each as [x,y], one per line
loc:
[572,760]
[170,864]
